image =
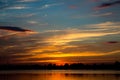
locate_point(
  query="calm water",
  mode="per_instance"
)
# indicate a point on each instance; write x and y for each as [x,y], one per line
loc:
[60,75]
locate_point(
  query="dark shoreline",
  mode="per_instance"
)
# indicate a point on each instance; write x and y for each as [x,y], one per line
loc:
[74,66]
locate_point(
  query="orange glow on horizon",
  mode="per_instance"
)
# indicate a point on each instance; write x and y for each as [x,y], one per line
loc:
[62,55]
[60,63]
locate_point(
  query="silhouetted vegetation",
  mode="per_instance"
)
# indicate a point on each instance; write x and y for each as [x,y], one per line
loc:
[102,66]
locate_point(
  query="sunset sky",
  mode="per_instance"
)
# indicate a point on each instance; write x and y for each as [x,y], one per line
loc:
[59,31]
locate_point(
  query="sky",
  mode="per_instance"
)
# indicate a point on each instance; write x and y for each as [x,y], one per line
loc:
[59,31]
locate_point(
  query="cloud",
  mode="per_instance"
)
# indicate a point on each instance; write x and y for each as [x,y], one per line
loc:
[50,5]
[69,37]
[26,0]
[15,4]
[62,45]
[81,50]
[32,22]
[112,42]
[92,15]
[8,32]
[99,48]
[107,25]
[89,34]
[103,14]
[109,4]
[63,37]
[17,29]
[18,7]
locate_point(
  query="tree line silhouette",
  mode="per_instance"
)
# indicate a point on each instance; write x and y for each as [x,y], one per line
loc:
[74,66]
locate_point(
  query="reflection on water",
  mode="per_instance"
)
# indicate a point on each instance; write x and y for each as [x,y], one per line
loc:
[60,75]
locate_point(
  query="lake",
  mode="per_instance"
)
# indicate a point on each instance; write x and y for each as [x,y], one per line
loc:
[60,75]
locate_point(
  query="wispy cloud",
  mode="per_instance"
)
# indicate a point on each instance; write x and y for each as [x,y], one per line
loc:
[18,7]
[80,36]
[32,22]
[89,50]
[61,37]
[50,5]
[16,4]
[92,15]
[22,15]
[26,0]
[107,25]
[103,14]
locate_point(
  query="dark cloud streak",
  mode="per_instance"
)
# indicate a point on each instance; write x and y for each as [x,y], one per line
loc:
[112,42]
[109,4]
[13,29]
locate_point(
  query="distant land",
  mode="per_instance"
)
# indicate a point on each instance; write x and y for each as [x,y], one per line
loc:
[74,66]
